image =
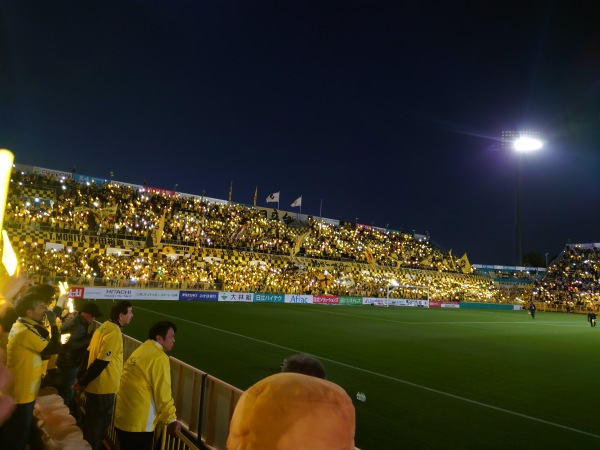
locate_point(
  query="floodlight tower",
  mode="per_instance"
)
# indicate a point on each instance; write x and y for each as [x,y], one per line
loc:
[520,142]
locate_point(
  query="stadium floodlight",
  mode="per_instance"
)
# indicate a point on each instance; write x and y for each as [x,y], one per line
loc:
[520,142]
[527,144]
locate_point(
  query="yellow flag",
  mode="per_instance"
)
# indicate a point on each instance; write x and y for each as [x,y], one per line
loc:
[449,261]
[158,231]
[464,264]
[299,243]
[426,261]
[108,211]
[369,255]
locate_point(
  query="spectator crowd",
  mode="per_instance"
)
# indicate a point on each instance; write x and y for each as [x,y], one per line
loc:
[573,279]
[319,257]
[370,257]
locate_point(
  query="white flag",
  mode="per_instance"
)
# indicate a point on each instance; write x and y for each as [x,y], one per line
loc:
[274,197]
[297,202]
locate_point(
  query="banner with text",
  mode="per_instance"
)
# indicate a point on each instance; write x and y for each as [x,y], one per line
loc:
[269,298]
[351,301]
[235,296]
[298,298]
[129,294]
[326,299]
[196,296]
[437,304]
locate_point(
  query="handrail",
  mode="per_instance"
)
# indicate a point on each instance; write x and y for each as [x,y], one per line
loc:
[179,441]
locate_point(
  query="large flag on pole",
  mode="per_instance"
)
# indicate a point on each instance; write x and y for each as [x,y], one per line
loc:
[158,231]
[274,197]
[464,264]
[297,202]
[449,261]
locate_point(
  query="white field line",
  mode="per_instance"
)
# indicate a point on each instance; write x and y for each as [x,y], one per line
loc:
[398,380]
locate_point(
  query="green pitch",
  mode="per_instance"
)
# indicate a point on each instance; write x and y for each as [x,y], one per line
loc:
[433,378]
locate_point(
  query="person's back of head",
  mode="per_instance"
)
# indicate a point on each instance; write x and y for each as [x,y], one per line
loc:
[8,316]
[305,364]
[293,411]
[46,291]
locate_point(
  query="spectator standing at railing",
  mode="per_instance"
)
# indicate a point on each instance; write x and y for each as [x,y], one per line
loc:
[72,352]
[144,398]
[100,377]
[28,343]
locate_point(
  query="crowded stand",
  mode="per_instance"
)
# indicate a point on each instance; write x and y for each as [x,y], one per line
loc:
[573,279]
[196,243]
[157,238]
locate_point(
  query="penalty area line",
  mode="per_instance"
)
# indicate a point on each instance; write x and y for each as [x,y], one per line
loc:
[388,377]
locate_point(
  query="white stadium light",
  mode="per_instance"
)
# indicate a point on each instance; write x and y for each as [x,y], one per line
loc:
[526,144]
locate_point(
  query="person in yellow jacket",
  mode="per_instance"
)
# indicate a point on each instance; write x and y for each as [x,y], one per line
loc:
[144,398]
[101,372]
[293,411]
[54,303]
[28,344]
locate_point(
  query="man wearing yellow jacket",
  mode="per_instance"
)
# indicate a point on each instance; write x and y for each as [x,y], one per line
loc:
[28,343]
[144,398]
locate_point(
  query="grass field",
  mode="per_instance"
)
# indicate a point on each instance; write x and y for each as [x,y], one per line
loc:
[433,378]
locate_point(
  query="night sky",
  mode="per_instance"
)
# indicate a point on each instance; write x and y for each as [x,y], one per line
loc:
[389,112]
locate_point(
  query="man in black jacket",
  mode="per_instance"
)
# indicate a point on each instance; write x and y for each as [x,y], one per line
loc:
[72,352]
